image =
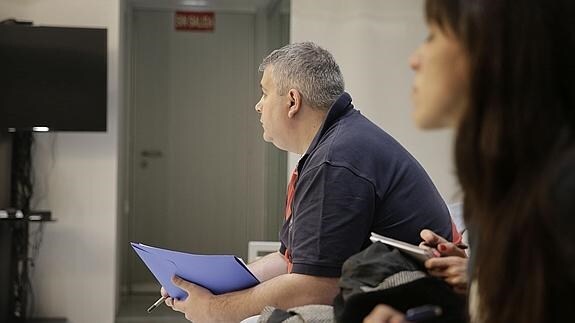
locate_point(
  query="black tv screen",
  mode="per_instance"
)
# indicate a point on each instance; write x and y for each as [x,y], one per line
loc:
[53,77]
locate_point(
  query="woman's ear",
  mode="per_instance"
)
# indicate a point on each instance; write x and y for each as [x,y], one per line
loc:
[295,102]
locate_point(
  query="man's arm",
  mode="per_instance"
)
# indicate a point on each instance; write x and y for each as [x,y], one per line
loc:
[269,266]
[284,291]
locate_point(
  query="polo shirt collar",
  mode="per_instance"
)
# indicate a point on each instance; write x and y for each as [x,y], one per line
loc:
[339,108]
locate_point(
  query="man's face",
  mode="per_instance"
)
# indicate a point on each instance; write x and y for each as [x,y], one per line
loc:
[273,110]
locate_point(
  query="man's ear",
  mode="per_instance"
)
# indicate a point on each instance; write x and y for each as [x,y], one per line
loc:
[295,102]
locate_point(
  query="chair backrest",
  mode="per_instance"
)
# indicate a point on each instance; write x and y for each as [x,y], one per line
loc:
[257,249]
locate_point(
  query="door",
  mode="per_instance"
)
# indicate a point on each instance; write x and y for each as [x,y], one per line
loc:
[200,172]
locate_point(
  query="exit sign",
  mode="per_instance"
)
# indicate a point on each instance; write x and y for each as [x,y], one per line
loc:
[195,21]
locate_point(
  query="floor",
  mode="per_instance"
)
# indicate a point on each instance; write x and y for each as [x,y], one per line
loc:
[132,309]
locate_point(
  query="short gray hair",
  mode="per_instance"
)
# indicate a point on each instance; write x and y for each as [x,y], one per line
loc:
[308,68]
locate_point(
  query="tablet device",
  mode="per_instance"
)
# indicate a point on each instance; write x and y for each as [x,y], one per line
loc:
[413,251]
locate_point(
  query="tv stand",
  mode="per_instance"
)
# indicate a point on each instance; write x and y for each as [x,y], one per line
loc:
[14,235]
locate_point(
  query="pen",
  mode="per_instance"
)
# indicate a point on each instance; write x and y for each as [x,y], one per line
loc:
[423,313]
[156,304]
[460,245]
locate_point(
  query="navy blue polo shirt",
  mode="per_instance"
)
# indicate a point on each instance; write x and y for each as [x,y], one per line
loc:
[354,179]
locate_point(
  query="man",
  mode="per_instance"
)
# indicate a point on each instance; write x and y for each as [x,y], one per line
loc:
[352,179]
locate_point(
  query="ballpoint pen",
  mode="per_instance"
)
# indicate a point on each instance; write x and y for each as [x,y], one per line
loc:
[423,313]
[462,245]
[156,303]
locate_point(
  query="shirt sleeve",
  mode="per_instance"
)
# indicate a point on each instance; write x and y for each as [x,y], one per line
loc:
[332,215]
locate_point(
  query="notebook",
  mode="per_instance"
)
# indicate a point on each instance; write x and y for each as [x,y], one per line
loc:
[413,251]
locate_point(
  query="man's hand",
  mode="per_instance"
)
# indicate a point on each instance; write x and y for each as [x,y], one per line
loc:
[195,306]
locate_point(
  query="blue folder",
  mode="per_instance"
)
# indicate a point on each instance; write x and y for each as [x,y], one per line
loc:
[218,273]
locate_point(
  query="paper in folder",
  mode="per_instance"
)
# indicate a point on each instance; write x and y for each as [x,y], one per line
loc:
[218,273]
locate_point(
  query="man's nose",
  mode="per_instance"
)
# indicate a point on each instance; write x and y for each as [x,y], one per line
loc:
[258,107]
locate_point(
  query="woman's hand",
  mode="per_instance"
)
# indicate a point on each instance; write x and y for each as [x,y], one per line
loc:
[451,263]
[384,314]
[452,269]
[432,240]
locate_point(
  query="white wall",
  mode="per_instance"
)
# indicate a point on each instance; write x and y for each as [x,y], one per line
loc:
[372,40]
[77,179]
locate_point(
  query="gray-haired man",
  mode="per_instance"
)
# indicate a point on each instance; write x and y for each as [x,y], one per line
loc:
[353,178]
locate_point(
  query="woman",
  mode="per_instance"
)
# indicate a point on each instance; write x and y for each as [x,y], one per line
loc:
[502,73]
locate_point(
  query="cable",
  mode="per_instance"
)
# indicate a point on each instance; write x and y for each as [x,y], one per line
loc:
[35,242]
[13,21]
[22,188]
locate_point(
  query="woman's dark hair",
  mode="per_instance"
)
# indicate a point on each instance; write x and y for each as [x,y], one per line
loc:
[520,121]
[446,14]
[452,17]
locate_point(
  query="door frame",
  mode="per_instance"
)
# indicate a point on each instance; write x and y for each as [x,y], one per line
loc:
[268,20]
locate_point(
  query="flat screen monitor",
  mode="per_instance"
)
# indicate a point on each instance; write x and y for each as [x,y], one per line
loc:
[53,78]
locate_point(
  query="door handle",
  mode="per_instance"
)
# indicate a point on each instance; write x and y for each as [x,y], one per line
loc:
[151,153]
